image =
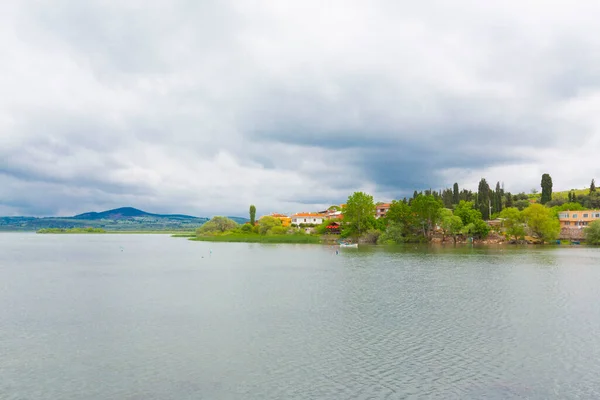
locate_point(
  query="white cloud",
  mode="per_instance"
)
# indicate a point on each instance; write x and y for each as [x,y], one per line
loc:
[205,107]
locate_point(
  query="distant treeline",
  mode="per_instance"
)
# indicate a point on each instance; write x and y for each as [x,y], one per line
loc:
[72,230]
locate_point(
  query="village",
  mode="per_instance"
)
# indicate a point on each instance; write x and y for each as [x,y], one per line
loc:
[572,224]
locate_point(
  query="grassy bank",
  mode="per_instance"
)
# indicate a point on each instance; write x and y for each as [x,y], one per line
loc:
[254,238]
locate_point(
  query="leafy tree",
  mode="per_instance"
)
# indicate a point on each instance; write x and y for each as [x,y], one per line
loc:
[455,194]
[473,222]
[370,236]
[401,215]
[277,230]
[427,212]
[570,207]
[217,225]
[359,214]
[592,187]
[266,223]
[546,188]
[252,214]
[246,228]
[542,222]
[513,222]
[451,225]
[393,234]
[592,233]
[522,204]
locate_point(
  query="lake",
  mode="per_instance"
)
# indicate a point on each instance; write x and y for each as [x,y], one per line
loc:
[155,317]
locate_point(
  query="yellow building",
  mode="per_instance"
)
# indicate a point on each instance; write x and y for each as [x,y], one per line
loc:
[577,219]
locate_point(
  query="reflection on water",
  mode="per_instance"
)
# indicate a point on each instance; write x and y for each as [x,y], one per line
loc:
[151,317]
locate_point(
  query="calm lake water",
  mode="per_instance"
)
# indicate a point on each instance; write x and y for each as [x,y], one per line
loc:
[154,317]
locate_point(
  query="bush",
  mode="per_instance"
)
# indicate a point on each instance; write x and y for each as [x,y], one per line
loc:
[592,233]
[370,236]
[393,234]
[542,222]
[217,225]
[278,230]
[265,224]
[246,228]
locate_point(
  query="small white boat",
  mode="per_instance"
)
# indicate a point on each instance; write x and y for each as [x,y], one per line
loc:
[350,245]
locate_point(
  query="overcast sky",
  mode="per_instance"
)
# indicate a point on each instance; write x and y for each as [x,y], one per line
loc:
[204,107]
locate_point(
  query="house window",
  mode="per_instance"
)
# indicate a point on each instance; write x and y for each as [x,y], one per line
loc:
[567,223]
[304,219]
[597,215]
[314,220]
[585,215]
[574,215]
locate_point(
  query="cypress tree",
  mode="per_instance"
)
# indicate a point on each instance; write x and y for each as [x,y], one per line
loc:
[252,214]
[483,199]
[509,200]
[455,194]
[546,189]
[592,187]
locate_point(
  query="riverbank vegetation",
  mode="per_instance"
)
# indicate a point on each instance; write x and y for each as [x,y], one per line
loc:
[463,215]
[72,230]
[592,233]
[487,215]
[266,230]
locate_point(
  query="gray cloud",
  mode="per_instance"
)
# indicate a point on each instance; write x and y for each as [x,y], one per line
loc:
[204,107]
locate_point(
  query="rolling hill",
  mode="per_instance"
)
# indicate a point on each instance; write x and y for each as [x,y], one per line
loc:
[119,219]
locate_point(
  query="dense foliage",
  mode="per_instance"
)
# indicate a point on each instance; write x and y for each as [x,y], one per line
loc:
[546,188]
[592,233]
[72,230]
[252,214]
[359,214]
[217,225]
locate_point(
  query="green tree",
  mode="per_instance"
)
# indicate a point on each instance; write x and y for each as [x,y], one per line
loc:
[217,225]
[266,223]
[542,222]
[570,207]
[484,199]
[427,212]
[451,225]
[513,222]
[473,223]
[455,194]
[592,233]
[592,187]
[401,213]
[252,214]
[393,234]
[546,188]
[359,214]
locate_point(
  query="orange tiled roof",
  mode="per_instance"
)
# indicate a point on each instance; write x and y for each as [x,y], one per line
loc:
[303,214]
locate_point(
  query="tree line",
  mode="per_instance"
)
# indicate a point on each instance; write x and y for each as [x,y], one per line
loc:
[462,213]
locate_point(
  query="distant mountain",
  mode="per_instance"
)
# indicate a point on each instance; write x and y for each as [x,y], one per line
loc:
[239,220]
[118,219]
[128,213]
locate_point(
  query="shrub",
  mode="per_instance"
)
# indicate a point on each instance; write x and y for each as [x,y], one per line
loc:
[278,230]
[370,236]
[592,233]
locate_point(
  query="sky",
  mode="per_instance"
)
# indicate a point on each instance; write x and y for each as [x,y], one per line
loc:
[205,107]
